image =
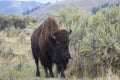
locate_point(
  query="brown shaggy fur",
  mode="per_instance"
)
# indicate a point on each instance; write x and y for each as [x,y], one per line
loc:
[48,27]
[50,50]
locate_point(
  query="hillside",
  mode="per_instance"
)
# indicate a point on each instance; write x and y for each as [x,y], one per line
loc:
[19,7]
[86,5]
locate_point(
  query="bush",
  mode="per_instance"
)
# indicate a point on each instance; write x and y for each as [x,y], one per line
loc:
[6,52]
[4,22]
[94,41]
[30,19]
[67,17]
[18,21]
[21,37]
[1,39]
[12,32]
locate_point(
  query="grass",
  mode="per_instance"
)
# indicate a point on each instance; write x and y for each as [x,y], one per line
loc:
[94,47]
[21,66]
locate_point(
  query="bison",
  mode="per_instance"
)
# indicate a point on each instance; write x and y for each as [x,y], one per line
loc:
[50,45]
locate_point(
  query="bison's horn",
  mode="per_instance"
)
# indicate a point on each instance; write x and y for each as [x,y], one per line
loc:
[53,36]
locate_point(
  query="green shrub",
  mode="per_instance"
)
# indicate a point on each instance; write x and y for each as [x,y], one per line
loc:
[12,32]
[18,21]
[1,39]
[21,37]
[6,52]
[95,41]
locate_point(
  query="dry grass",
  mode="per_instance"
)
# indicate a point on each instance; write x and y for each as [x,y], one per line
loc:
[21,65]
[16,60]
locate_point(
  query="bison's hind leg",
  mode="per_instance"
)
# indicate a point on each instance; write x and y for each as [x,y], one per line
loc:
[37,67]
[51,72]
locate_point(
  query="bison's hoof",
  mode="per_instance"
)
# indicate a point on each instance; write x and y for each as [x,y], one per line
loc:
[63,75]
[52,76]
[37,74]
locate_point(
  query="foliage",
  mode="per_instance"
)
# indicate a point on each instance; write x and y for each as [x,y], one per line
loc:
[6,52]
[21,37]
[18,21]
[68,17]
[95,40]
[94,45]
[96,9]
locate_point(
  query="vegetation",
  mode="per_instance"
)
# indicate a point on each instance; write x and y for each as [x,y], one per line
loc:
[95,41]
[94,45]
[95,9]
[17,21]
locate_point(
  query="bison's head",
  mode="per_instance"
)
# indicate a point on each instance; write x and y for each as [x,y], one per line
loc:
[60,45]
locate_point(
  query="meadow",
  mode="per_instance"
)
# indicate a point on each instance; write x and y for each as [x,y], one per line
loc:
[94,45]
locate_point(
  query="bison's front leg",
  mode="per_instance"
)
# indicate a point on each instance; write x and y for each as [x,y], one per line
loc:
[46,71]
[60,69]
[51,72]
[62,73]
